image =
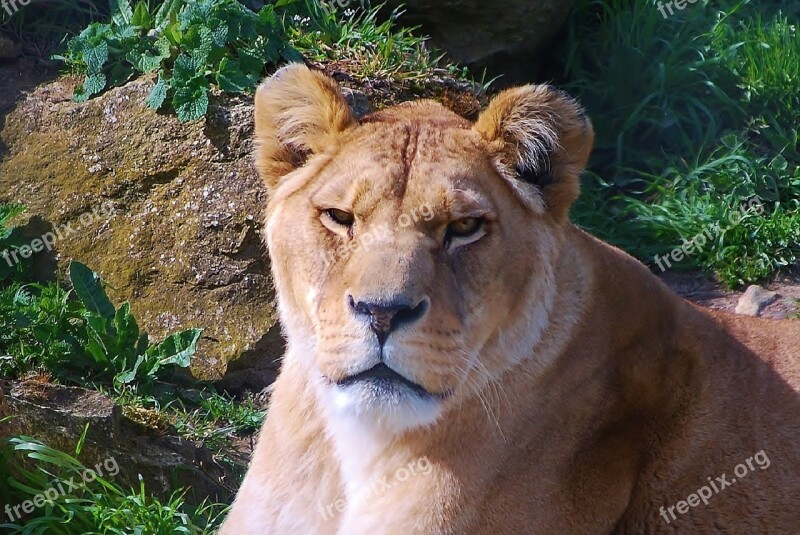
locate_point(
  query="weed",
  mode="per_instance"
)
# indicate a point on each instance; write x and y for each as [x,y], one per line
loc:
[191,45]
[85,339]
[201,416]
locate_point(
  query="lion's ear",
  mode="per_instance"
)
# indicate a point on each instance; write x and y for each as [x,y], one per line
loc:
[298,113]
[540,136]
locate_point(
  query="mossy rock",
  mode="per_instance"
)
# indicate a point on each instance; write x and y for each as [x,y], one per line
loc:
[184,243]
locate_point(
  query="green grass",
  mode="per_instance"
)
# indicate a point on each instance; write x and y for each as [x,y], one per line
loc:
[203,416]
[362,44]
[29,468]
[694,115]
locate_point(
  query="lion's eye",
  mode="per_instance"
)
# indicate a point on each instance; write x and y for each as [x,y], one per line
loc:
[463,228]
[340,217]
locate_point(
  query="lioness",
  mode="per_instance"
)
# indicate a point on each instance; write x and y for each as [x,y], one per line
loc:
[480,365]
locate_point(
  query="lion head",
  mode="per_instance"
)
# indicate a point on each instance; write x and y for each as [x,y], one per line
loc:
[413,251]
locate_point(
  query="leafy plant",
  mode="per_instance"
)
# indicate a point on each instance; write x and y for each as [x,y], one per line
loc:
[84,339]
[192,45]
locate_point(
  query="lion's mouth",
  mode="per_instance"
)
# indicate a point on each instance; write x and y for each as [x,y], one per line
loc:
[383,377]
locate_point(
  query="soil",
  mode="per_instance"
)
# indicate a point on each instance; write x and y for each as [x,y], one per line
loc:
[704,290]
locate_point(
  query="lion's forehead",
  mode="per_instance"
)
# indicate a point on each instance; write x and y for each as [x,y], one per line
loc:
[413,143]
[406,165]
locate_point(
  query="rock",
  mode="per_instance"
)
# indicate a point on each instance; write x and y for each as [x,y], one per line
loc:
[184,242]
[754,300]
[57,415]
[474,31]
[358,101]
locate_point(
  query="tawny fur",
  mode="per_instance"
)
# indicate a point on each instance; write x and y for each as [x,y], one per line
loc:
[584,395]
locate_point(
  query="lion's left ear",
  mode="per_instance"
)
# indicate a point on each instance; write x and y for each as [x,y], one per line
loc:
[540,138]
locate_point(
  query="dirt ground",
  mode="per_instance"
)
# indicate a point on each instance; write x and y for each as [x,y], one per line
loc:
[707,292]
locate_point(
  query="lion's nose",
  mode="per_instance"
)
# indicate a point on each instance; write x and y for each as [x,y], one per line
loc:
[385,317]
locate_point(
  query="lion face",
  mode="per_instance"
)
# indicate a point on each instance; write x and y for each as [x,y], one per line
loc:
[409,249]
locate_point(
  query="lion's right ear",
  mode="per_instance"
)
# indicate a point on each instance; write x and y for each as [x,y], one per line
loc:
[298,113]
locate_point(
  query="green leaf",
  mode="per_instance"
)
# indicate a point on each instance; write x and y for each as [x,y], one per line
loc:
[158,94]
[230,77]
[146,62]
[219,33]
[89,289]
[201,45]
[121,12]
[163,46]
[93,84]
[173,33]
[120,73]
[126,326]
[141,15]
[177,349]
[186,69]
[81,440]
[291,55]
[167,10]
[147,56]
[272,51]
[97,352]
[95,57]
[127,376]
[251,61]
[268,17]
[142,344]
[190,104]
[125,32]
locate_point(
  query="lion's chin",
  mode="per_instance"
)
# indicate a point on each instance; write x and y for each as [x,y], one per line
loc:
[386,404]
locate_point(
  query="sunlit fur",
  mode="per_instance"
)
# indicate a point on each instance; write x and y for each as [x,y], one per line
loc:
[568,391]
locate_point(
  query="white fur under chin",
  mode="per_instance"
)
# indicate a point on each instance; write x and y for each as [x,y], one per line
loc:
[394,413]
